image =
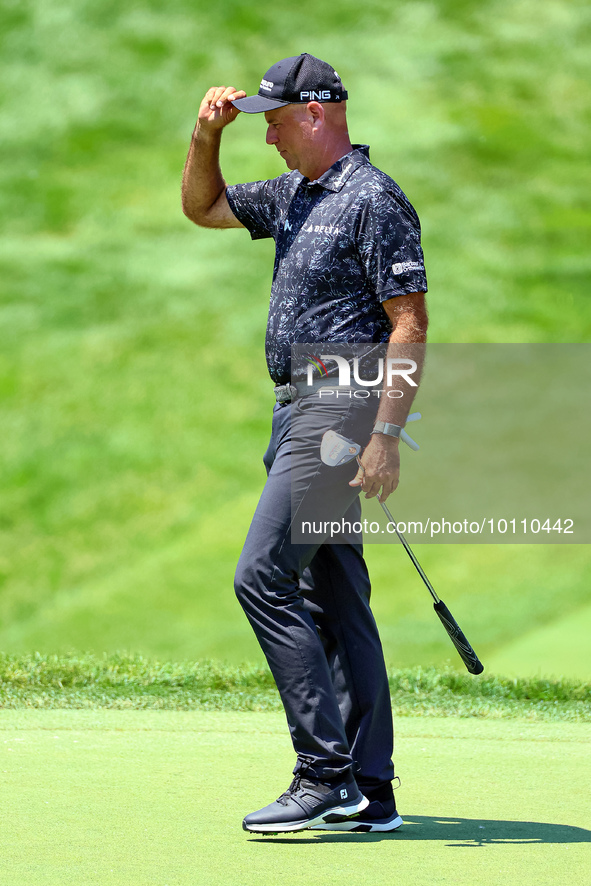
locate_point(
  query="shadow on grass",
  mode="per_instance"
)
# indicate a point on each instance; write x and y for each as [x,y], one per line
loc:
[459,832]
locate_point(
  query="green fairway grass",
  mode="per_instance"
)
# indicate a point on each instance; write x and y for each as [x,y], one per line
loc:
[135,403]
[561,647]
[123,798]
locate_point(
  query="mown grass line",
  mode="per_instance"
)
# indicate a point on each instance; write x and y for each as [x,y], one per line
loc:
[127,681]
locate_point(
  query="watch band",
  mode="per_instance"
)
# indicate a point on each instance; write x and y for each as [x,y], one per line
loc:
[384,427]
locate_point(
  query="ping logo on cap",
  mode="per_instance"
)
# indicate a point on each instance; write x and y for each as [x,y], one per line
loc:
[313,95]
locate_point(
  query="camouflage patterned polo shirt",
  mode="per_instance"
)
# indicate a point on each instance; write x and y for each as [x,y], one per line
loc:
[343,245]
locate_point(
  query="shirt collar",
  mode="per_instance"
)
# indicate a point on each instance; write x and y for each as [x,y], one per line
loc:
[340,172]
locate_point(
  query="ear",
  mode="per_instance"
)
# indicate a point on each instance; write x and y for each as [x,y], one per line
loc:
[315,111]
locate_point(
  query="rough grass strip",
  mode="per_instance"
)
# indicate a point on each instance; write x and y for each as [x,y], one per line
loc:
[134,682]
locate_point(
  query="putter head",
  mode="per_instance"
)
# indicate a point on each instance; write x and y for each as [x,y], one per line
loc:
[336,450]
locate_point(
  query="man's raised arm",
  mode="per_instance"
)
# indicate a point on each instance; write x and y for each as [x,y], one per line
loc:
[204,189]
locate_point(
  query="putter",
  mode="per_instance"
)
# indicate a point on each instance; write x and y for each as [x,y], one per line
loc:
[336,450]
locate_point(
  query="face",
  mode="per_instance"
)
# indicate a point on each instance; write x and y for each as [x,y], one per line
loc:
[290,129]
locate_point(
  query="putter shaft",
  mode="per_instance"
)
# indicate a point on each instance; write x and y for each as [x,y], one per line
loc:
[408,550]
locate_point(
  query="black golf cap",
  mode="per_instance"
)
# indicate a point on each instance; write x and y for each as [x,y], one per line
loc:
[296,80]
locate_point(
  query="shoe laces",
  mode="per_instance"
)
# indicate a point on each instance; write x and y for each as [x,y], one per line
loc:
[295,784]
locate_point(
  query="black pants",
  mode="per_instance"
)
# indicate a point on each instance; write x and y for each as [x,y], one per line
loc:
[308,602]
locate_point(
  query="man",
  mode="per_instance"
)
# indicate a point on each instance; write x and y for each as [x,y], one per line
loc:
[348,267]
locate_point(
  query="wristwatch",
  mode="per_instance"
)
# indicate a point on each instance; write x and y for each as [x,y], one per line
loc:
[384,427]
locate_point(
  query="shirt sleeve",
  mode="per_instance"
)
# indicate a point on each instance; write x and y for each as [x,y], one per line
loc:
[255,206]
[390,246]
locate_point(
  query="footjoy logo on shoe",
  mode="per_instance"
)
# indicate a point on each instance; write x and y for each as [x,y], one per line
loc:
[344,794]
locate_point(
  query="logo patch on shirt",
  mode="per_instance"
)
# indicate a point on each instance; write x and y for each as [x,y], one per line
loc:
[402,267]
[321,229]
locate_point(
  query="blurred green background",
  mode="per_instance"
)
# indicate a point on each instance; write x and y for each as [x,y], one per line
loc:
[135,400]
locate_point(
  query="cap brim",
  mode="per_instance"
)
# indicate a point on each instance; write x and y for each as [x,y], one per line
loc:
[256,104]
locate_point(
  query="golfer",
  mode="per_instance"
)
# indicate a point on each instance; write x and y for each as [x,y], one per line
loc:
[348,268]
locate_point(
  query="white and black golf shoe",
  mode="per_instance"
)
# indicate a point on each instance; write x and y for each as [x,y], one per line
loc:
[307,803]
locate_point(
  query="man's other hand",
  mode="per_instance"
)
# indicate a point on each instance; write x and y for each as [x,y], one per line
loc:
[216,109]
[380,467]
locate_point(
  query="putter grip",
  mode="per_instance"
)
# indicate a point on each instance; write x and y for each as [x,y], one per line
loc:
[457,637]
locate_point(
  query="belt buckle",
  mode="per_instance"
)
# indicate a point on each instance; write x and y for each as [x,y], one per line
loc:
[285,393]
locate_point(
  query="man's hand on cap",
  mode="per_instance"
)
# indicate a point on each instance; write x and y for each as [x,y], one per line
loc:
[216,109]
